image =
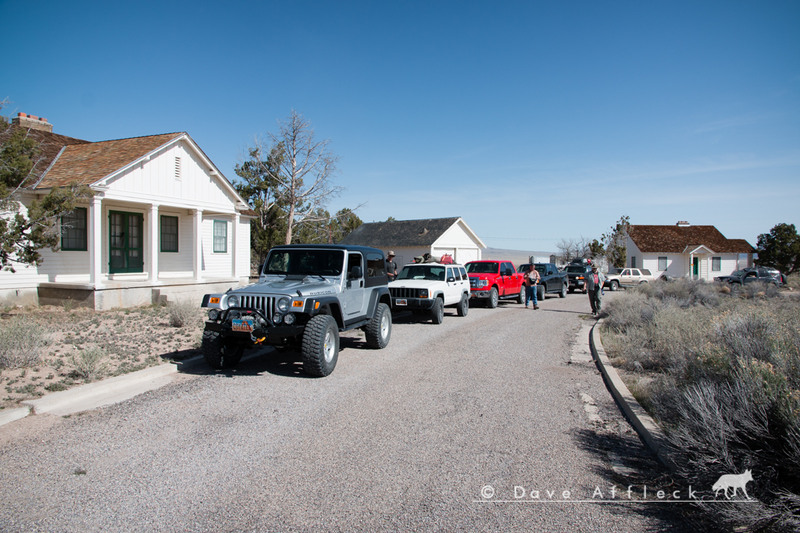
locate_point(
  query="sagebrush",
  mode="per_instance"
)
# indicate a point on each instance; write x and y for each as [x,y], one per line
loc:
[22,342]
[723,379]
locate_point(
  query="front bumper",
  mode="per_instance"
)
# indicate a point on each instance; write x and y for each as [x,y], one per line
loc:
[479,293]
[274,334]
[412,303]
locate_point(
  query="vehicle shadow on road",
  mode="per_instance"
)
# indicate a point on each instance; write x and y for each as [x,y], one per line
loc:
[624,462]
[256,361]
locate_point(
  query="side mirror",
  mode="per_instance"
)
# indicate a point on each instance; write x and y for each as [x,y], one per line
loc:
[356,273]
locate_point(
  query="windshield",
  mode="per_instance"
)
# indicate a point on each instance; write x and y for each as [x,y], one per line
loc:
[576,268]
[433,273]
[482,268]
[305,262]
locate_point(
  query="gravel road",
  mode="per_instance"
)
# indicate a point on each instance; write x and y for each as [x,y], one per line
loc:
[451,427]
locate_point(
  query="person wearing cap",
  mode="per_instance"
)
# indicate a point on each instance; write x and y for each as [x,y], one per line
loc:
[594,284]
[391,266]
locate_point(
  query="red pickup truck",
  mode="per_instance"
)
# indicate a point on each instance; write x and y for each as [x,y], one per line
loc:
[491,280]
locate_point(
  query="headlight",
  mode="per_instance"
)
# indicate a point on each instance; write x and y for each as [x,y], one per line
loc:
[213,314]
[283,305]
[233,301]
[482,283]
[423,293]
[289,319]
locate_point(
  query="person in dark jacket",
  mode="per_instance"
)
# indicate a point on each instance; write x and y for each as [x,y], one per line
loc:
[594,286]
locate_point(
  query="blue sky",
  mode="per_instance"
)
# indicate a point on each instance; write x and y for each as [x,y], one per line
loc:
[535,121]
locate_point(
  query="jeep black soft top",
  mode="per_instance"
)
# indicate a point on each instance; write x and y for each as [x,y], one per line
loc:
[306,294]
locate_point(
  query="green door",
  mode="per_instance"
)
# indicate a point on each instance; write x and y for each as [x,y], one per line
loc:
[696,266]
[125,242]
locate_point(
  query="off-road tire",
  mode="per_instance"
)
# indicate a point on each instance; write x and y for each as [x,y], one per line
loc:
[379,329]
[220,352]
[521,297]
[494,297]
[320,346]
[463,305]
[437,311]
[614,285]
[563,293]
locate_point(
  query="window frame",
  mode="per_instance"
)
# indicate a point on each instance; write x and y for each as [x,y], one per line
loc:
[663,259]
[215,237]
[75,233]
[161,232]
[716,264]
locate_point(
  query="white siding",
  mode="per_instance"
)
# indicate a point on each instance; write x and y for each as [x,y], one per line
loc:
[177,265]
[155,181]
[216,264]
[243,248]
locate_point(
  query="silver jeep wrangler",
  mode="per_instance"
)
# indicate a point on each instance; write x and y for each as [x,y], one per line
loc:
[305,295]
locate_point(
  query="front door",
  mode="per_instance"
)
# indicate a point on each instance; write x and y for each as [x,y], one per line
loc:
[354,286]
[125,231]
[695,267]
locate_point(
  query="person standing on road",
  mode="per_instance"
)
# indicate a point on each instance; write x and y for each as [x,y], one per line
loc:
[531,281]
[594,284]
[391,266]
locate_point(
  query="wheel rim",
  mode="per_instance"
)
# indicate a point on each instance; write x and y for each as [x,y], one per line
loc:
[384,325]
[328,346]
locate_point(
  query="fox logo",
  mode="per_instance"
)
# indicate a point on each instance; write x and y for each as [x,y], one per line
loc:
[733,481]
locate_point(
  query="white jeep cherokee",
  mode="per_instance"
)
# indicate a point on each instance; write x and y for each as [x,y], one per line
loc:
[429,288]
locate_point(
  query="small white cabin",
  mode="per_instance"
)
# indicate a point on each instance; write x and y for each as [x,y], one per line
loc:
[683,250]
[163,224]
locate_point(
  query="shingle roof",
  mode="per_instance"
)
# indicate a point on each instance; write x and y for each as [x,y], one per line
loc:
[397,233]
[88,163]
[675,239]
[75,161]
[50,144]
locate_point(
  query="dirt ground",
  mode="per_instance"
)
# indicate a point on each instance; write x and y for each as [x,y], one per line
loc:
[83,345]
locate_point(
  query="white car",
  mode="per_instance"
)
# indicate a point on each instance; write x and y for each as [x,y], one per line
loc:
[429,288]
[629,277]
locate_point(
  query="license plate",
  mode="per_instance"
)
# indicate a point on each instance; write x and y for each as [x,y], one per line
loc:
[242,324]
[402,302]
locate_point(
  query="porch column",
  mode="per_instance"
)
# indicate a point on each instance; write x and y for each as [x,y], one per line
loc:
[95,240]
[235,247]
[197,238]
[153,244]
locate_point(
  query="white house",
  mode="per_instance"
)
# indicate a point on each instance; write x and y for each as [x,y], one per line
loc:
[163,224]
[413,238]
[683,250]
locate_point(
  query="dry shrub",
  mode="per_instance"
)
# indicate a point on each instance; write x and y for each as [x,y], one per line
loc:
[89,363]
[22,342]
[727,389]
[183,313]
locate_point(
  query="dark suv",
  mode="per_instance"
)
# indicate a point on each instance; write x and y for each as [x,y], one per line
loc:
[577,271]
[305,295]
[753,274]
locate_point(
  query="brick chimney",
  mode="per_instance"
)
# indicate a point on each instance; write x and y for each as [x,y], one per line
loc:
[33,122]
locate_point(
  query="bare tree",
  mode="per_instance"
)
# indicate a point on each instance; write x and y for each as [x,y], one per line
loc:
[302,176]
[570,249]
